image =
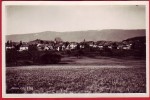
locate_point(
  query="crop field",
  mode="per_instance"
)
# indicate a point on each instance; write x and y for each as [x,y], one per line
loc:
[128,77]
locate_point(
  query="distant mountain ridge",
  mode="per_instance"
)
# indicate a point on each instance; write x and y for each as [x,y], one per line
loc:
[78,36]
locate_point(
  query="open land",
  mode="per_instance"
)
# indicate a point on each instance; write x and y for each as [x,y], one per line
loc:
[79,75]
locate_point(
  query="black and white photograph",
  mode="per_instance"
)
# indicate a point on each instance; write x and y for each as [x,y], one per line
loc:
[75,48]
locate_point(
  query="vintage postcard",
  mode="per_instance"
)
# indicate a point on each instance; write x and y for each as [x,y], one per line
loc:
[75,49]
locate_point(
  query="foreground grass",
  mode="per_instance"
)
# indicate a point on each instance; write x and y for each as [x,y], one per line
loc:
[77,80]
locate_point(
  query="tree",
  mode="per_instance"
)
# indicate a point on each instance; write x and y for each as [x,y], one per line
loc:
[11,43]
[41,41]
[50,58]
[114,46]
[20,43]
[58,40]
[33,51]
[66,44]
[11,56]
[78,46]
[7,43]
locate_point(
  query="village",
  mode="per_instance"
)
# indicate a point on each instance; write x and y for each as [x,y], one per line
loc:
[59,45]
[72,67]
[53,52]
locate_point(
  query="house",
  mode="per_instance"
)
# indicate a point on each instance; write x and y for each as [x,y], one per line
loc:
[24,47]
[9,47]
[40,46]
[58,46]
[125,46]
[44,47]
[72,45]
[63,47]
[100,47]
[90,43]
[50,47]
[95,46]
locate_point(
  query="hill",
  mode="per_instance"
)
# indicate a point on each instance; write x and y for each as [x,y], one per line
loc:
[78,36]
[139,39]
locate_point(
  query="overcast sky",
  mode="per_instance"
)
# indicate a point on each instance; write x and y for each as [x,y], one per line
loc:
[30,19]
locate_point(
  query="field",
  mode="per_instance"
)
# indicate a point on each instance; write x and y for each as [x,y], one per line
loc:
[79,75]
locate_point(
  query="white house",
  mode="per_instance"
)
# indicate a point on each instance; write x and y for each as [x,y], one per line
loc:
[23,48]
[9,47]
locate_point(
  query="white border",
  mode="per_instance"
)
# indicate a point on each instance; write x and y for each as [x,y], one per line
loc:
[75,3]
[71,95]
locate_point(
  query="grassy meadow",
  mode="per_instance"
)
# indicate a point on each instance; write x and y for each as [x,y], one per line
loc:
[116,77]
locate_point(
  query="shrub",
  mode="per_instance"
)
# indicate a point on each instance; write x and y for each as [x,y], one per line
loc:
[50,58]
[24,55]
[11,55]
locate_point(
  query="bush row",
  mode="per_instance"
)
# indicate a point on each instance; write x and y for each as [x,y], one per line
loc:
[15,58]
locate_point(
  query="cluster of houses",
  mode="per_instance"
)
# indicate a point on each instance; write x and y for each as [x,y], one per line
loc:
[43,45]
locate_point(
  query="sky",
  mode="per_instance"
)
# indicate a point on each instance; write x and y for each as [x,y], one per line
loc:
[62,18]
